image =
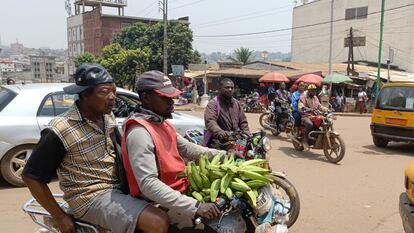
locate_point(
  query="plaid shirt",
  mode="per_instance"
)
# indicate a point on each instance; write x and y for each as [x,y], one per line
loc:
[88,167]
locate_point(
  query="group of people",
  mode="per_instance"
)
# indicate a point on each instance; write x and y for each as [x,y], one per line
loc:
[80,146]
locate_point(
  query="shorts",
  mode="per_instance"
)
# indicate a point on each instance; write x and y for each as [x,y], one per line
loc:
[115,211]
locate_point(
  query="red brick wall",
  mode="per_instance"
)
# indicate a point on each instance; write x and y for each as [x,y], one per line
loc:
[99,30]
[92,29]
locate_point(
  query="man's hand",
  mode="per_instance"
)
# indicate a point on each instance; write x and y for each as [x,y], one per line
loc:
[208,211]
[65,224]
[222,135]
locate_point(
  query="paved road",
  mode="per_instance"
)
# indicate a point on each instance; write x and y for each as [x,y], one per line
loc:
[358,195]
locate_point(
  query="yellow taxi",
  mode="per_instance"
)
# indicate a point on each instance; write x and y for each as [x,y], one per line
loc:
[393,114]
[407,200]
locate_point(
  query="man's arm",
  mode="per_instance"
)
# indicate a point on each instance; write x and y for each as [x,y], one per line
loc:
[43,195]
[40,169]
[141,153]
[192,151]
[210,118]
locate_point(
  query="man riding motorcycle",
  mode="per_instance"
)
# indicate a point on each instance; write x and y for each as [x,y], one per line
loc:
[223,115]
[282,97]
[295,101]
[308,103]
[153,152]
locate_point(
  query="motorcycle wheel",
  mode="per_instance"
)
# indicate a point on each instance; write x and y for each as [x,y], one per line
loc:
[336,152]
[264,120]
[275,132]
[282,186]
[297,146]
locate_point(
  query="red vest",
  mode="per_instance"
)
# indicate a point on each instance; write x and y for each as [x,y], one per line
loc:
[170,163]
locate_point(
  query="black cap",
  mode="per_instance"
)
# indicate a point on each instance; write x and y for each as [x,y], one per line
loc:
[88,75]
[156,81]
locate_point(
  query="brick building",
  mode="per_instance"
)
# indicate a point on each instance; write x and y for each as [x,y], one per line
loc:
[90,31]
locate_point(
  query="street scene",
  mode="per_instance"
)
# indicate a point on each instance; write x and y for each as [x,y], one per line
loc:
[207,116]
[358,195]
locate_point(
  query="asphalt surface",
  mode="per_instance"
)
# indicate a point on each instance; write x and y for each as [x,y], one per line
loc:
[360,194]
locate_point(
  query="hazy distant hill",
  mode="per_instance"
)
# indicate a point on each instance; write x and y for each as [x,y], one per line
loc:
[219,56]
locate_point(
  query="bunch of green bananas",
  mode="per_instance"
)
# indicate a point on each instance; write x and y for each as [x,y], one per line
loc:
[211,179]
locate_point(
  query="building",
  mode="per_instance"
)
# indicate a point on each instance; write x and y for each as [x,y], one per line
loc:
[7,66]
[43,68]
[16,48]
[90,31]
[311,32]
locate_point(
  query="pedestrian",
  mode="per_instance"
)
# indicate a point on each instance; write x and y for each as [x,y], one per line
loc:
[339,102]
[362,98]
[271,93]
[78,147]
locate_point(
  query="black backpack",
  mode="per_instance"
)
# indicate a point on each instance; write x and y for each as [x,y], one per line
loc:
[117,140]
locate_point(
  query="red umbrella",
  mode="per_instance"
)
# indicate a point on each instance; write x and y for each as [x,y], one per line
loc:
[311,79]
[274,77]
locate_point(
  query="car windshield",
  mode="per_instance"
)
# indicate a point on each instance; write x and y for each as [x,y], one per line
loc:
[396,98]
[5,97]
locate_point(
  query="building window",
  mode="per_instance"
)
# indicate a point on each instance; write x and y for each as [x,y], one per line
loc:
[356,13]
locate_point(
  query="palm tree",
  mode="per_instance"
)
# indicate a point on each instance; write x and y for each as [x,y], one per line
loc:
[242,55]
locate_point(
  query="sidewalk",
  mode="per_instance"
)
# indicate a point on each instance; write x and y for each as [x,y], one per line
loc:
[195,107]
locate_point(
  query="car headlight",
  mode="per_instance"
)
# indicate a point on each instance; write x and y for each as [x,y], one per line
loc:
[267,145]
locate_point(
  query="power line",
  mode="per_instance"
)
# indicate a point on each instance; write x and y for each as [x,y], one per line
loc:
[298,27]
[241,17]
[185,5]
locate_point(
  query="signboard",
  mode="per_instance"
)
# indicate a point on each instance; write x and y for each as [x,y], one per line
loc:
[177,70]
[358,41]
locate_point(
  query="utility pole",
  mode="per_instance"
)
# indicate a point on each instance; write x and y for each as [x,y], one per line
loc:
[350,68]
[165,44]
[330,39]
[330,46]
[377,85]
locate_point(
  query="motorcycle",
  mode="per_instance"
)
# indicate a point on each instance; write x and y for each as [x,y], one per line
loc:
[268,119]
[248,146]
[323,136]
[252,104]
[240,216]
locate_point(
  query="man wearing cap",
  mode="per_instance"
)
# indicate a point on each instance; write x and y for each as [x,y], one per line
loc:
[307,104]
[77,146]
[222,115]
[153,152]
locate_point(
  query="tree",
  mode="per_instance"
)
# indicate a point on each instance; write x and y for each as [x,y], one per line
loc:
[180,37]
[84,58]
[125,64]
[243,55]
[195,57]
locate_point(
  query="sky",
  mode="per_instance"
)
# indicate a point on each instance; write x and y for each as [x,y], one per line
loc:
[42,23]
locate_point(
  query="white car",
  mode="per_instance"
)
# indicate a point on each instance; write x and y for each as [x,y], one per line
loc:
[27,109]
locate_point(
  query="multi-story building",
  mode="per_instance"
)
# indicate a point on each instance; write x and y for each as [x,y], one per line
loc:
[311,31]
[7,66]
[90,31]
[16,48]
[43,68]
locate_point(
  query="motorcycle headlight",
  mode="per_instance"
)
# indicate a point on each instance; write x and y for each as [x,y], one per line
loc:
[267,145]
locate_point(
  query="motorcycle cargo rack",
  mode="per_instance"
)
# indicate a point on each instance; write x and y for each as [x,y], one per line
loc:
[43,218]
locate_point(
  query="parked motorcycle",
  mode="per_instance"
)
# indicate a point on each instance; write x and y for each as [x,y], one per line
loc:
[256,145]
[322,137]
[252,104]
[268,119]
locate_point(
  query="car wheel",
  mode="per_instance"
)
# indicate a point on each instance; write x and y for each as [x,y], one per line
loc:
[380,142]
[13,163]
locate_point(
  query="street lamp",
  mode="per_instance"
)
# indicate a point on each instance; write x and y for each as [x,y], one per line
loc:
[1,78]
